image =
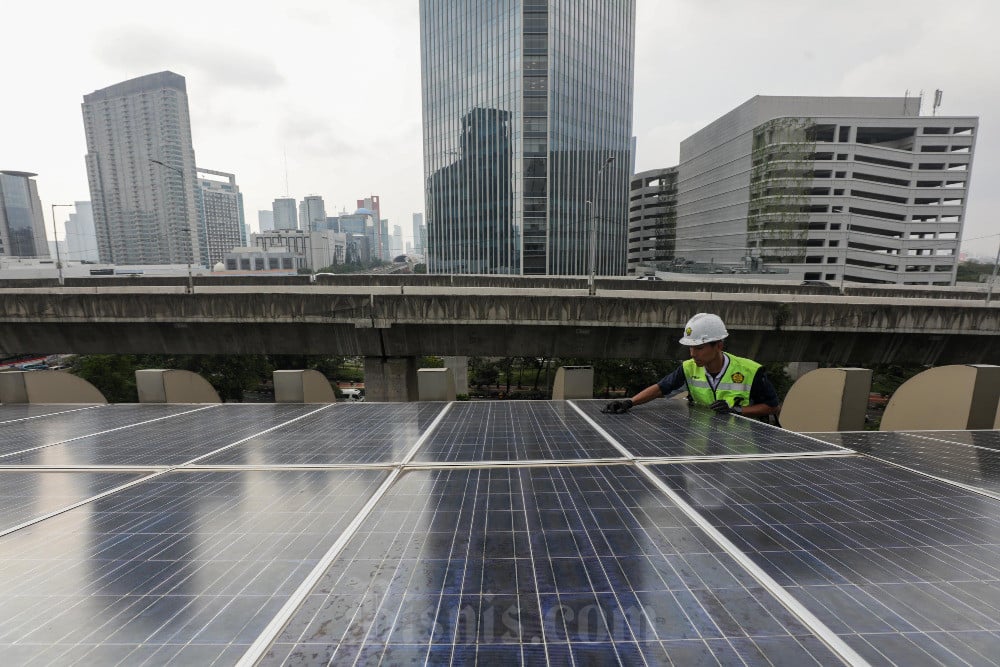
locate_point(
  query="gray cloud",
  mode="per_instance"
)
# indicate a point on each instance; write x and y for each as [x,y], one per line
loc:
[142,48]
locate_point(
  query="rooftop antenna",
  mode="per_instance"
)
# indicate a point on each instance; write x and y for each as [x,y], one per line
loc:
[906,99]
[937,101]
[921,105]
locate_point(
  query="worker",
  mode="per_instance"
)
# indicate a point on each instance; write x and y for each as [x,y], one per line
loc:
[713,378]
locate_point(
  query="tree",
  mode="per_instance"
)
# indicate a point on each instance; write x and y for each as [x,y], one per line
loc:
[112,374]
[420,268]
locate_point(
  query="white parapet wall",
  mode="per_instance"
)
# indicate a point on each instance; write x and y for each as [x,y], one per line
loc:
[828,399]
[573,382]
[305,386]
[47,387]
[959,397]
[435,384]
[157,385]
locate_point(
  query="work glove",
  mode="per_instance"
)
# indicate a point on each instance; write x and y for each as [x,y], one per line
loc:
[618,407]
[721,407]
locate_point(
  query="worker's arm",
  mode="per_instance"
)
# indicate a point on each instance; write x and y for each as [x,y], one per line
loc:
[647,394]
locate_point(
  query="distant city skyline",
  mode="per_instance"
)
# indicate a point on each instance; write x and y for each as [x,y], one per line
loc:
[253,108]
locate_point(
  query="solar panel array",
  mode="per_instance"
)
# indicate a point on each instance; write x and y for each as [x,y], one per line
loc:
[487,533]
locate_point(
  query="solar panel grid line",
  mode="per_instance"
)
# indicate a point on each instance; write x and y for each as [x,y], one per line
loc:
[943,437]
[528,463]
[604,434]
[141,480]
[48,414]
[221,467]
[835,643]
[426,434]
[260,645]
[848,655]
[81,468]
[921,592]
[263,642]
[937,478]
[656,460]
[105,432]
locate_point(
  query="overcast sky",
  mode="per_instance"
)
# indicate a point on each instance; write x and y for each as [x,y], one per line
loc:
[335,84]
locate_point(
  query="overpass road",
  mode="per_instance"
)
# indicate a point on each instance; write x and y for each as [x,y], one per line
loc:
[509,318]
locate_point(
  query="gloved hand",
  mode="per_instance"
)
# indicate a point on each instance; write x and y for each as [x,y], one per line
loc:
[721,407]
[618,407]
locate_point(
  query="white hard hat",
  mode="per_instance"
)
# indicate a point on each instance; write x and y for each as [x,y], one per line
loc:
[703,328]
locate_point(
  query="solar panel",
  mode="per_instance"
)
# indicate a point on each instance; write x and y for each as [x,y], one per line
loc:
[514,431]
[935,453]
[165,442]
[572,563]
[906,569]
[25,495]
[984,439]
[21,435]
[358,433]
[185,567]
[518,531]
[673,428]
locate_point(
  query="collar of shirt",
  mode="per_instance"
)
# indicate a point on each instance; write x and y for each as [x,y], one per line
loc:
[713,380]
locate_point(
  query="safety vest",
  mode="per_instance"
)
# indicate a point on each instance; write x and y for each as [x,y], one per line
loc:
[736,382]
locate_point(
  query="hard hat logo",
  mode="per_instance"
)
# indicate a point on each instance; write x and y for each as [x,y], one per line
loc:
[704,328]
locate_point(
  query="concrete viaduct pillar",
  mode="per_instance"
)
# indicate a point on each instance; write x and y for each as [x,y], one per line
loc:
[391,379]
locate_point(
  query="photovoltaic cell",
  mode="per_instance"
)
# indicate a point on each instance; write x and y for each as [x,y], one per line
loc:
[25,495]
[16,411]
[669,428]
[929,453]
[905,568]
[984,439]
[345,433]
[585,564]
[514,431]
[187,568]
[167,442]
[20,435]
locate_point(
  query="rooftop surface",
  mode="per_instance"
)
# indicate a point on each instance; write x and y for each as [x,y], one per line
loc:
[538,532]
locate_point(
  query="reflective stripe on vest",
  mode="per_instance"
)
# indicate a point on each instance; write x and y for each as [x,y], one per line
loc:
[728,389]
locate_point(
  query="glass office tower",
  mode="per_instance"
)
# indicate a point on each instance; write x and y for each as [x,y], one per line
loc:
[527,110]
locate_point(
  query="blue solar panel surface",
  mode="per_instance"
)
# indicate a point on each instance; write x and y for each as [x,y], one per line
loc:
[479,533]
[950,455]
[905,568]
[673,428]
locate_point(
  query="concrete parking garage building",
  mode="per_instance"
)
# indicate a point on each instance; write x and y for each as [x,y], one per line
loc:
[863,189]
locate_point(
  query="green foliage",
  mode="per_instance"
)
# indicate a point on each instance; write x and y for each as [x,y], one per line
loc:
[430,362]
[779,378]
[420,268]
[886,378]
[972,271]
[112,374]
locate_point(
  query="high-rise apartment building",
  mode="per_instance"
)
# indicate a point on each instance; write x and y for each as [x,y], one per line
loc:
[862,189]
[22,223]
[221,213]
[81,237]
[285,216]
[312,214]
[265,221]
[141,170]
[527,109]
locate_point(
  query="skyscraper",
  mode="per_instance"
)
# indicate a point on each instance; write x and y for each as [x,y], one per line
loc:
[527,109]
[81,238]
[284,214]
[265,220]
[22,224]
[418,222]
[221,213]
[312,214]
[141,169]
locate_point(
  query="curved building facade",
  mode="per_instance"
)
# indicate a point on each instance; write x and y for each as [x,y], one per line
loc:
[527,112]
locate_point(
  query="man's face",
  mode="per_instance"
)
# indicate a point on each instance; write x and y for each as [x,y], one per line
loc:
[704,353]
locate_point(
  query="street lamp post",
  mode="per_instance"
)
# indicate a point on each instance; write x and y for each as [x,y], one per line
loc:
[55,237]
[993,278]
[186,229]
[592,213]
